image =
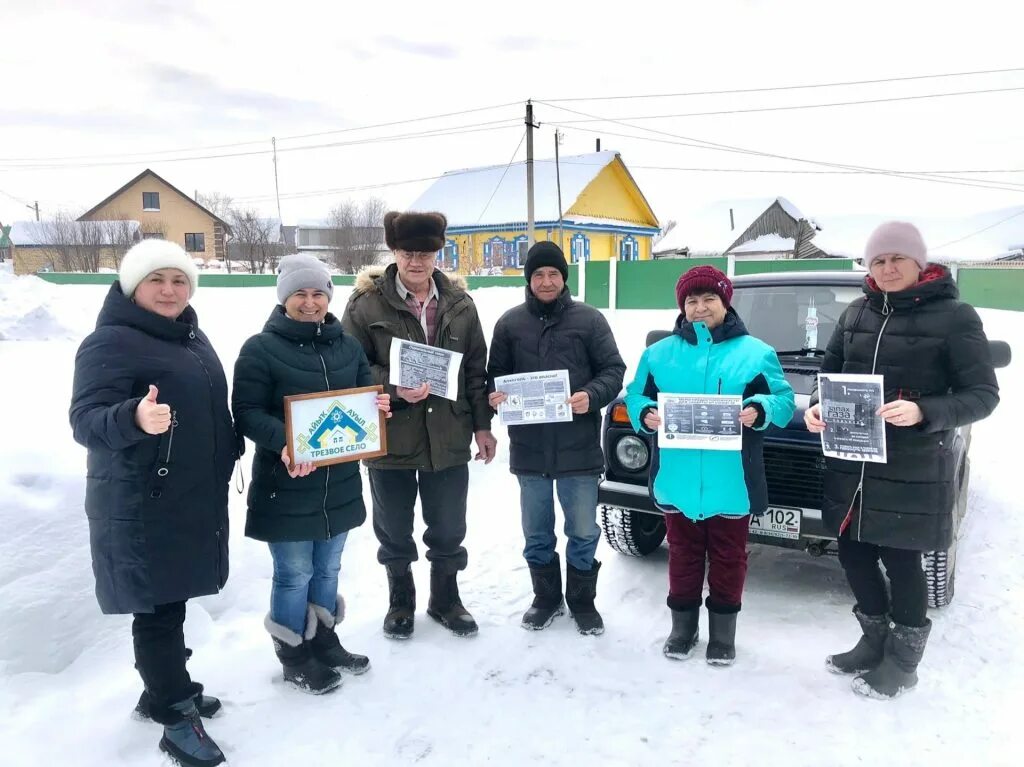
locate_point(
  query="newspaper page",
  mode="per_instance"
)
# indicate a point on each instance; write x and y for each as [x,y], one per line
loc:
[538,397]
[414,364]
[853,430]
[700,421]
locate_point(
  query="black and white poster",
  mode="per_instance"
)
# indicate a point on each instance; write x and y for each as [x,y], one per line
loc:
[700,421]
[413,365]
[539,397]
[849,405]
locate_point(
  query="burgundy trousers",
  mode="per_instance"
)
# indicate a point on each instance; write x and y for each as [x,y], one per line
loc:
[717,545]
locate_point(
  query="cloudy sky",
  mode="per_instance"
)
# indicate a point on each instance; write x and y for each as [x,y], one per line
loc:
[95,91]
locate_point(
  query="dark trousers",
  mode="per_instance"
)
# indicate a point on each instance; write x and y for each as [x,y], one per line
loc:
[719,545]
[908,604]
[443,498]
[159,640]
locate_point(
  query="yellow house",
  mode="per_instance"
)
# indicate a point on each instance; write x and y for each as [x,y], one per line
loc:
[164,211]
[603,215]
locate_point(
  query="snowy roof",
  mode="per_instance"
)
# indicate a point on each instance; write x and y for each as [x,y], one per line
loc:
[36,233]
[462,195]
[766,243]
[708,229]
[790,208]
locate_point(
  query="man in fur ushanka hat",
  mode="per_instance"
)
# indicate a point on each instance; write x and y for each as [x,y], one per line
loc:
[429,436]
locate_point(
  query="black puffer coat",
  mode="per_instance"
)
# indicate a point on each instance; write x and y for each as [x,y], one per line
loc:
[564,334]
[157,505]
[931,349]
[293,357]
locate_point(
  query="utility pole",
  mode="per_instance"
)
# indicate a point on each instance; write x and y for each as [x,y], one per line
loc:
[277,190]
[558,183]
[37,210]
[529,174]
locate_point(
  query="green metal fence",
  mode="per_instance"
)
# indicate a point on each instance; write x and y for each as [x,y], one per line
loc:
[645,284]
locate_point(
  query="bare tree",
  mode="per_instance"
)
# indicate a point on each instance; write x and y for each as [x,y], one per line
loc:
[255,239]
[217,203]
[357,233]
[119,234]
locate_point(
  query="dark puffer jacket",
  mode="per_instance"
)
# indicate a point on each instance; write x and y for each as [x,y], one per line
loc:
[435,433]
[931,349]
[293,357]
[157,505]
[564,334]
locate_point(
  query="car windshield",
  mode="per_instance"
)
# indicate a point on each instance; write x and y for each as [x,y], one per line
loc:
[793,318]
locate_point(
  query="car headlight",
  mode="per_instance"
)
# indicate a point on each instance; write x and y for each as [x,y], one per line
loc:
[631,453]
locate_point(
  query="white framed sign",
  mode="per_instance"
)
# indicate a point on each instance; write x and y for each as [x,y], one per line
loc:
[335,426]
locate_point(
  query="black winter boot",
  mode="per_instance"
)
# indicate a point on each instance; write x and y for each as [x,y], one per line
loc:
[445,605]
[547,595]
[325,645]
[683,639]
[186,740]
[868,651]
[721,649]
[580,591]
[897,673]
[301,669]
[401,616]
[207,705]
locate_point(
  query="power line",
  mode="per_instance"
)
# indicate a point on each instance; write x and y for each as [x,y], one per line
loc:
[805,106]
[500,180]
[481,127]
[714,146]
[261,141]
[789,87]
[985,229]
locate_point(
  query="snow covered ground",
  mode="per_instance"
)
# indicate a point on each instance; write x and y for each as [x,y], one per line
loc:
[506,697]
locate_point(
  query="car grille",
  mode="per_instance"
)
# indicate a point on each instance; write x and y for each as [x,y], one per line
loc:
[794,476]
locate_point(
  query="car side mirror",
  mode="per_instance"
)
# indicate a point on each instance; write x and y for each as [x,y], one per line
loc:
[1000,351]
[656,335]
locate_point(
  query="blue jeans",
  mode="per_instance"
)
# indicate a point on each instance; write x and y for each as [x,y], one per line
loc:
[304,571]
[578,498]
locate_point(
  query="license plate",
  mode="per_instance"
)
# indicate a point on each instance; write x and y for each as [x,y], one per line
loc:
[777,522]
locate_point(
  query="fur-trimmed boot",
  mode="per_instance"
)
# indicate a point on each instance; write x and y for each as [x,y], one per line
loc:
[684,634]
[897,673]
[206,705]
[325,644]
[721,650]
[547,595]
[401,616]
[301,669]
[446,606]
[186,740]
[580,592]
[868,651]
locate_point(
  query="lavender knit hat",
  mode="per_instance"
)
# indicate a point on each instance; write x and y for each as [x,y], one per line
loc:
[896,238]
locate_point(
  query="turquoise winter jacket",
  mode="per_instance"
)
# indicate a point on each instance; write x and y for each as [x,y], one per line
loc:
[726,360]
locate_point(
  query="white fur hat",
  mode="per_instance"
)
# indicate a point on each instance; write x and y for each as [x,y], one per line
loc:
[150,255]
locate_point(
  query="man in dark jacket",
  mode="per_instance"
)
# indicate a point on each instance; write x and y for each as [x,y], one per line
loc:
[428,436]
[550,331]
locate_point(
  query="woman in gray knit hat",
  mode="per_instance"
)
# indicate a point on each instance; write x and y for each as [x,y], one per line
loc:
[303,513]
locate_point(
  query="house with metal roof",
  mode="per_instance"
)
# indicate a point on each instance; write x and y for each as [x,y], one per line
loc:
[588,203]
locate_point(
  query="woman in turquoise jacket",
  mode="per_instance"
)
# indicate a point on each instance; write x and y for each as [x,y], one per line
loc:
[709,495]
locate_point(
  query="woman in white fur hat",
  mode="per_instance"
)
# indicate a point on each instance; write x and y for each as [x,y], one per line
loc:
[150,402]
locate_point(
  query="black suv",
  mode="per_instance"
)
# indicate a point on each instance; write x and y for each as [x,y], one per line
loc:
[796,313]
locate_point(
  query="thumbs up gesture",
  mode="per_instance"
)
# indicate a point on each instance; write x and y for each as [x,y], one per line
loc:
[151,416]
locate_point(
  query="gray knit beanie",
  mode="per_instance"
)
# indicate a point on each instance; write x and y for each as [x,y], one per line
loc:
[301,271]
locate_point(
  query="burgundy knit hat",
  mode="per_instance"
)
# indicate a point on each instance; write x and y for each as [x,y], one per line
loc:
[703,279]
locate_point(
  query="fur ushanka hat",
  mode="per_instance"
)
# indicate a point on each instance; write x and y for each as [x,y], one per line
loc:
[418,232]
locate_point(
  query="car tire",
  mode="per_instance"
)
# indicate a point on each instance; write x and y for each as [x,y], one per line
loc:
[636,533]
[940,566]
